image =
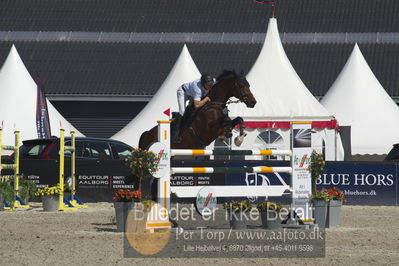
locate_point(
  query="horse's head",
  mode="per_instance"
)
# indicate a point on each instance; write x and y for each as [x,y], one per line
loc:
[229,84]
[242,92]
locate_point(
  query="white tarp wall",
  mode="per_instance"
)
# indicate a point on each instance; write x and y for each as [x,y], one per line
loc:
[279,139]
[18,93]
[281,97]
[357,99]
[183,71]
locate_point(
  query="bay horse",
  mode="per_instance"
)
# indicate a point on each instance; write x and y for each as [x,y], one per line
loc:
[211,121]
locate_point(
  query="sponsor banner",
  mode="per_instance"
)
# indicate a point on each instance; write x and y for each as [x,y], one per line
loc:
[301,134]
[200,179]
[363,183]
[95,180]
[257,179]
[301,152]
[206,201]
[163,162]
[42,118]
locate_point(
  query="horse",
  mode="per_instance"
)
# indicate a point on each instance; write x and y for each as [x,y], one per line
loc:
[211,120]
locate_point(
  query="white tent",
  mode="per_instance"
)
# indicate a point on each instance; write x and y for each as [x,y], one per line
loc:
[183,71]
[357,99]
[18,93]
[282,97]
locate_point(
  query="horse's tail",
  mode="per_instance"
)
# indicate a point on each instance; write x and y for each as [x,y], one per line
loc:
[142,142]
[148,137]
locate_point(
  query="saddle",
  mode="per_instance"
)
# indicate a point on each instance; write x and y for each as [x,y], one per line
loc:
[185,120]
[181,122]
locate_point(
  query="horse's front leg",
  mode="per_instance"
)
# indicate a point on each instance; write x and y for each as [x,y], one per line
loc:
[239,121]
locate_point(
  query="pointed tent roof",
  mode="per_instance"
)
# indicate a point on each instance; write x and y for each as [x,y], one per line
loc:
[357,99]
[280,93]
[18,93]
[183,71]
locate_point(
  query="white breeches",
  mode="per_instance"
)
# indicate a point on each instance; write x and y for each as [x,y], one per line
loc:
[182,99]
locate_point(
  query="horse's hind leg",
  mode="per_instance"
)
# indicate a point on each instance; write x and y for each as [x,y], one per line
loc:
[148,137]
[143,141]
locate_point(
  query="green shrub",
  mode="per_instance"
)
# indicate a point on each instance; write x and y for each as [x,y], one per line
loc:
[268,205]
[237,205]
[7,191]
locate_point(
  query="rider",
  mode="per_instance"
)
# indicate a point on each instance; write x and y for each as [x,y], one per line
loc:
[196,92]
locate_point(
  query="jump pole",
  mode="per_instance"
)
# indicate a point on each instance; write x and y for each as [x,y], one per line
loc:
[62,206]
[164,188]
[300,176]
[73,200]
[18,203]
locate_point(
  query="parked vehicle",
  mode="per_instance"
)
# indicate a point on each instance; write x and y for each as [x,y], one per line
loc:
[393,155]
[85,148]
[100,169]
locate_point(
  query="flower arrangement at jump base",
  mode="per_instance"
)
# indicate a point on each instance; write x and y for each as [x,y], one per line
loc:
[327,205]
[238,211]
[50,196]
[335,194]
[234,206]
[142,164]
[336,198]
[328,194]
[126,195]
[125,200]
[54,190]
[270,214]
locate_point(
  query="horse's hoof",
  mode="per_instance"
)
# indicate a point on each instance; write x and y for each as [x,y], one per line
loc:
[238,140]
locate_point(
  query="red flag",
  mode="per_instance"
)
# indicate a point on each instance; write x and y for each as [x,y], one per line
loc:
[167,112]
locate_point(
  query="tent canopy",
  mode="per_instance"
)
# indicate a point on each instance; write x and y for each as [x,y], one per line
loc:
[18,93]
[357,99]
[184,70]
[280,93]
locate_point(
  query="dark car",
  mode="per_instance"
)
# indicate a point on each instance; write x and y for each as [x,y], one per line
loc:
[100,169]
[393,155]
[85,148]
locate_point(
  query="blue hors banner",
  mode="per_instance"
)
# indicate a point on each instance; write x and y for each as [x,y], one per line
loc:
[363,183]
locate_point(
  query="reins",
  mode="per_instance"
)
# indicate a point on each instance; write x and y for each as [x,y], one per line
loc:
[228,102]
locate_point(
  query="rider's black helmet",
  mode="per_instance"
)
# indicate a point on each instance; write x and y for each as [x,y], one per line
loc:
[207,79]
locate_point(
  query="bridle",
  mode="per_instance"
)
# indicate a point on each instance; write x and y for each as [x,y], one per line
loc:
[240,84]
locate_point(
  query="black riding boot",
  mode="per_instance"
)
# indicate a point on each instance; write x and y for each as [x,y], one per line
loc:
[176,129]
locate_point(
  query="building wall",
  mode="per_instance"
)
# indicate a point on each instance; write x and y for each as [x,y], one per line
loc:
[98,119]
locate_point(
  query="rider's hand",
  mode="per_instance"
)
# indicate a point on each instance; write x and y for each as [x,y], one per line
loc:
[208,99]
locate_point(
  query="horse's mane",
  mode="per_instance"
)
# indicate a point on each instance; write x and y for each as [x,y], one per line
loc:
[227,74]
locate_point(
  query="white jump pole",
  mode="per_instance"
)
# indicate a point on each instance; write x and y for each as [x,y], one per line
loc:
[163,193]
